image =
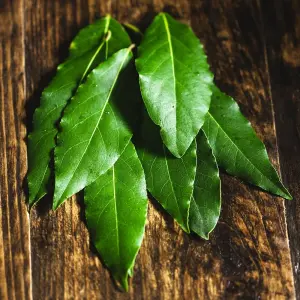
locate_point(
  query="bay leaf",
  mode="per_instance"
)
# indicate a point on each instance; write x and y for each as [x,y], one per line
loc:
[206,201]
[97,125]
[116,211]
[237,148]
[90,47]
[175,81]
[169,179]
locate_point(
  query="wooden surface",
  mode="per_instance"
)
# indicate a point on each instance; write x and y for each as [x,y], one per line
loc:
[254,51]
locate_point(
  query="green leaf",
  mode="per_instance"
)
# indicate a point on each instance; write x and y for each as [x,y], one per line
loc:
[96,126]
[90,47]
[169,179]
[236,146]
[206,201]
[116,211]
[175,81]
[91,36]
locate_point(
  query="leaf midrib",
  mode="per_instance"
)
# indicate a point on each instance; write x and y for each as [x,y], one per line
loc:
[171,182]
[239,150]
[92,135]
[172,63]
[116,213]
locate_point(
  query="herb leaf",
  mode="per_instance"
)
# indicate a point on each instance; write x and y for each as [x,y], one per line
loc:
[206,201]
[116,211]
[169,179]
[236,146]
[175,81]
[91,37]
[96,128]
[88,49]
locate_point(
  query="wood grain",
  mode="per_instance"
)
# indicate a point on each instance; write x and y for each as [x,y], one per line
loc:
[15,280]
[248,255]
[282,31]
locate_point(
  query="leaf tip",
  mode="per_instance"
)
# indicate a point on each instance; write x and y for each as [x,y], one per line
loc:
[185,227]
[122,282]
[284,193]
[287,195]
[174,150]
[202,234]
[125,285]
[177,154]
[205,236]
[56,204]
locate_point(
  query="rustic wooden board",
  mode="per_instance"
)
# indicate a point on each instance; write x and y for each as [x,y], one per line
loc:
[282,31]
[248,255]
[14,221]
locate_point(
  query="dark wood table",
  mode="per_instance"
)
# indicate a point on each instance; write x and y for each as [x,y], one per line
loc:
[254,50]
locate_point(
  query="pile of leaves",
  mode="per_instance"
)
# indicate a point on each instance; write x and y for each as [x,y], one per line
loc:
[117,122]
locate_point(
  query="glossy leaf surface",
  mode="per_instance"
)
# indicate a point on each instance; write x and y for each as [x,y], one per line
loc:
[236,146]
[175,81]
[96,126]
[116,211]
[169,179]
[206,201]
[90,47]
